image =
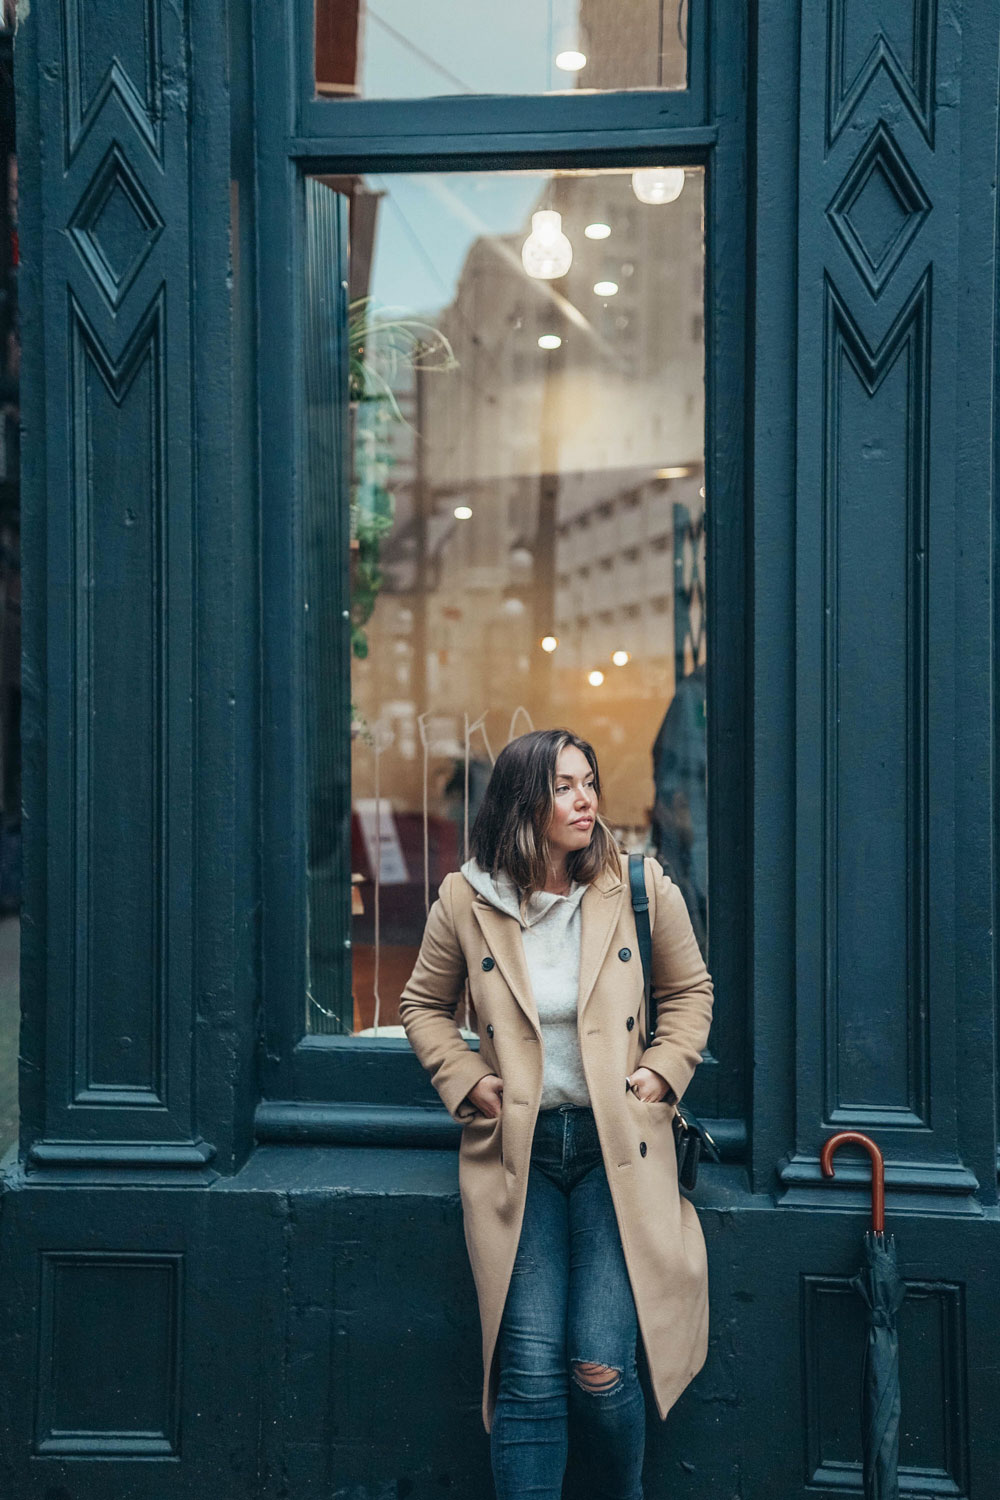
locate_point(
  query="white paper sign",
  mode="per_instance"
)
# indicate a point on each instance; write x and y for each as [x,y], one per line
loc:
[382,846]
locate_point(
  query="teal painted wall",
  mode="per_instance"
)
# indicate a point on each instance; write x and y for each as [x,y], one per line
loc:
[225,1252]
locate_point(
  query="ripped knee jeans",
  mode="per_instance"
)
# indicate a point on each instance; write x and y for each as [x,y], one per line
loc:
[568,1335]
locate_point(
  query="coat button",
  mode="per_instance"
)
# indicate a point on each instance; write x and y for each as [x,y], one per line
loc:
[630,1023]
[487,964]
[489,1031]
[642,1148]
[624,954]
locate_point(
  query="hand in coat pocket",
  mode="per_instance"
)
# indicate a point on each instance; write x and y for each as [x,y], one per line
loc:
[649,1087]
[487,1096]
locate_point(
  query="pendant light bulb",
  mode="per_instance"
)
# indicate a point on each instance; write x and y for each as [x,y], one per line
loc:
[546,254]
[569,45]
[658,184]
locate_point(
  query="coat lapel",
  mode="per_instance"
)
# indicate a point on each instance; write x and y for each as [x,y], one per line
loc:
[503,937]
[600,909]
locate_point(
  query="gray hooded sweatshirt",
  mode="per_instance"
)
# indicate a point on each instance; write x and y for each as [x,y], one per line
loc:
[550,931]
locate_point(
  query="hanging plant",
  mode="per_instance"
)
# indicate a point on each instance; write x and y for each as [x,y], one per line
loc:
[381,346]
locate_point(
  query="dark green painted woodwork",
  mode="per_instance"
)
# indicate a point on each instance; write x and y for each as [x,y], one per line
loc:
[879,509]
[139,706]
[146,1328]
[189,1310]
[119,498]
[10,1017]
[324,1313]
[133,1387]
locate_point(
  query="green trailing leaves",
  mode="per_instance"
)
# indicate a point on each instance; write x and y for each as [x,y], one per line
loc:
[383,351]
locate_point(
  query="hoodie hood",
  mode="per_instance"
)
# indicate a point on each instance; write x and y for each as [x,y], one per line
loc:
[501,892]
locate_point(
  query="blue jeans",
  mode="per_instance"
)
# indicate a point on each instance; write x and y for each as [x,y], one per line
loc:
[569,1303]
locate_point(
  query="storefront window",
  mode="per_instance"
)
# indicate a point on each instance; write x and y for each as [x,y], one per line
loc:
[397,50]
[527,494]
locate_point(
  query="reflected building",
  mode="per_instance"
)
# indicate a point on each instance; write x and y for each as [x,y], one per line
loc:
[634,40]
[582,467]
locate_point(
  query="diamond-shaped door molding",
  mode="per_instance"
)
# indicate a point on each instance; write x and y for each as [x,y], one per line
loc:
[115,226]
[878,209]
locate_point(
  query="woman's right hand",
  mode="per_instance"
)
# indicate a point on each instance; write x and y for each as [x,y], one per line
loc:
[487,1096]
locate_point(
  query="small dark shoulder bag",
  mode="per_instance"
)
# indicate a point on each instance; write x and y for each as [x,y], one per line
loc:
[690,1136]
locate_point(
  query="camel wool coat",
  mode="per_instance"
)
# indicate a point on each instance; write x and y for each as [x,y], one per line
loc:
[661,1237]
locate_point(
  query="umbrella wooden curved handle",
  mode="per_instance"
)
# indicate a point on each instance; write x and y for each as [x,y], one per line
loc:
[856,1138]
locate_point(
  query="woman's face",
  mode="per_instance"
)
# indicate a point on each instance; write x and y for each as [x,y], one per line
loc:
[574,803]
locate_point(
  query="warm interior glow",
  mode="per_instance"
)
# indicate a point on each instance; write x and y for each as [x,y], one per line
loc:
[549,642]
[595,678]
[621,658]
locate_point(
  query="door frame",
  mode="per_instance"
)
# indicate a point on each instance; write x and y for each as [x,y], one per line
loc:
[297,134]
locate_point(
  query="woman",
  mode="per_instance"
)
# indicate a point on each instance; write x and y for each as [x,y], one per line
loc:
[576,1231]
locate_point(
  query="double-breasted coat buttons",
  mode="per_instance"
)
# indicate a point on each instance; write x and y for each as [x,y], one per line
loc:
[642,1148]
[489,1030]
[630,1023]
[624,954]
[488,964]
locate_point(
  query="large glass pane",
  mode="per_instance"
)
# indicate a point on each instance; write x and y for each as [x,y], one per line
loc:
[395,49]
[526,528]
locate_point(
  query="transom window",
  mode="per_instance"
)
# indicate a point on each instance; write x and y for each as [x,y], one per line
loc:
[395,49]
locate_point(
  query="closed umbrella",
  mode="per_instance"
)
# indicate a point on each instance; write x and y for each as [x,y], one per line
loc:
[882,1289]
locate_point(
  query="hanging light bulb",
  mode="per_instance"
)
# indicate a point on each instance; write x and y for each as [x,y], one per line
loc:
[571,61]
[658,184]
[570,49]
[546,254]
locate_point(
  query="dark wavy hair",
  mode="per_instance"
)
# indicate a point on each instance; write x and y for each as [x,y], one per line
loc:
[510,831]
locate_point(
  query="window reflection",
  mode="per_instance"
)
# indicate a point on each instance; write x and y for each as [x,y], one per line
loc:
[527,542]
[397,50]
